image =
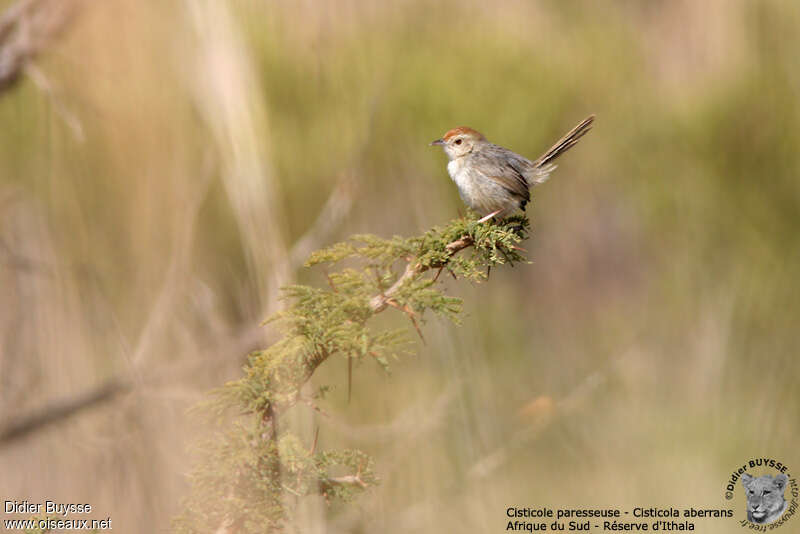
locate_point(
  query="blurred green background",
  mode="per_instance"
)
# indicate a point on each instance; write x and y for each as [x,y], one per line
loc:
[184,157]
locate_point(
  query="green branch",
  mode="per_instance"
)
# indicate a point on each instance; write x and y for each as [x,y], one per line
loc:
[258,461]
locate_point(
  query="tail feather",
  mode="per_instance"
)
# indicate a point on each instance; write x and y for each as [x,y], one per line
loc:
[566,142]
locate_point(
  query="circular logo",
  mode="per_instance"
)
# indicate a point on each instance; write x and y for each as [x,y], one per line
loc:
[765,491]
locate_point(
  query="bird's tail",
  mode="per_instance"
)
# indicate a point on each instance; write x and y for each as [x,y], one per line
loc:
[565,143]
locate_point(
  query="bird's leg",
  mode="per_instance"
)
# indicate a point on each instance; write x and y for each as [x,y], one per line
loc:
[484,219]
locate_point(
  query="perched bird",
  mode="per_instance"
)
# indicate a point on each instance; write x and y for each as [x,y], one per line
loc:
[491,179]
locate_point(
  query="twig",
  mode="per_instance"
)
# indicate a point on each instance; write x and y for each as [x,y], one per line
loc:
[435,278]
[411,315]
[486,218]
[347,480]
[70,119]
[330,283]
[379,302]
[314,445]
[308,402]
[26,28]
[59,411]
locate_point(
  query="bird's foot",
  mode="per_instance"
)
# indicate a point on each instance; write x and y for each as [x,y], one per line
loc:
[484,219]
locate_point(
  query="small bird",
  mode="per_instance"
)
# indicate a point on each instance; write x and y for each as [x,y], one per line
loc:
[493,180]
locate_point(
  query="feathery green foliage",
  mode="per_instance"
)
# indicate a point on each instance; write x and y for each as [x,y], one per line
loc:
[254,470]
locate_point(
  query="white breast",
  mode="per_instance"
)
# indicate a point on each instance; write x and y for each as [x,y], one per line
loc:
[460,176]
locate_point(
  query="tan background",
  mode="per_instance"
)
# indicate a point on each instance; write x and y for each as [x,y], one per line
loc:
[172,172]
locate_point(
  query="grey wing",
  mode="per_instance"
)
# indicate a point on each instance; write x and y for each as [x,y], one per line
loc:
[507,168]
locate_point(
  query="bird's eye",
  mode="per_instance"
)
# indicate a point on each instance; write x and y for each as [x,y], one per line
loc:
[766,492]
[458,141]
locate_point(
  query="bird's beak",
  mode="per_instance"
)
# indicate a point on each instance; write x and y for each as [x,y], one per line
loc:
[437,142]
